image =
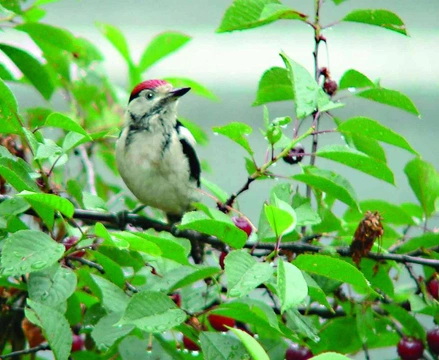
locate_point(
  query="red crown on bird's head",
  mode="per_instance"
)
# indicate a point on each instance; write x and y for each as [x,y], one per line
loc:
[147,85]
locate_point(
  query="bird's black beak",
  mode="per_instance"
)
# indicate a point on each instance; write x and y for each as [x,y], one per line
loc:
[176,93]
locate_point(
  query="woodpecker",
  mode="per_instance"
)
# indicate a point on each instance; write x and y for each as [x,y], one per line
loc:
[155,153]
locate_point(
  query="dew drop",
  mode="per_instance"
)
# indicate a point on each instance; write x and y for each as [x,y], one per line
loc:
[38,265]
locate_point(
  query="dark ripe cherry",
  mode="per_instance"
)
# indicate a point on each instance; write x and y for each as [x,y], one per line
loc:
[243,224]
[69,242]
[433,340]
[220,322]
[297,352]
[77,343]
[294,155]
[433,288]
[330,87]
[222,258]
[410,348]
[189,344]
[176,297]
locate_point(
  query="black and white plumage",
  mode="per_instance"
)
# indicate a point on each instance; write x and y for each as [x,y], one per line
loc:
[155,153]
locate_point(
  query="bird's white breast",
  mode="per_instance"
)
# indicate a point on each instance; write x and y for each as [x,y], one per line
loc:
[157,178]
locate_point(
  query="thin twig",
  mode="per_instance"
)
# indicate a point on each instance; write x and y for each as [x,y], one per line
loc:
[88,263]
[89,169]
[26,351]
[414,277]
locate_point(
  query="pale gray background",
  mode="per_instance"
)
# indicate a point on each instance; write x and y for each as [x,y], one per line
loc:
[231,65]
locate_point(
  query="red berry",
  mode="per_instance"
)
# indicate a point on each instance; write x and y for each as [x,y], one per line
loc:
[243,224]
[221,259]
[433,340]
[297,352]
[189,344]
[69,242]
[219,322]
[410,348]
[77,343]
[433,288]
[177,299]
[294,155]
[330,87]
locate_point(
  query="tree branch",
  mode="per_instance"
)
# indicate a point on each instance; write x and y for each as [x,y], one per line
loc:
[120,220]
[26,351]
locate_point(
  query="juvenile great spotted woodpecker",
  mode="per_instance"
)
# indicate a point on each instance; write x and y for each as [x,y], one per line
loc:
[155,153]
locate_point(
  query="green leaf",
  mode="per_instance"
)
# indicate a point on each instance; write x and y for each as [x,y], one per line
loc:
[291,285]
[16,175]
[390,97]
[29,250]
[252,312]
[357,160]
[248,14]
[305,213]
[221,347]
[426,241]
[411,326]
[330,183]
[299,324]
[275,85]
[31,68]
[308,95]
[253,347]
[366,145]
[363,126]
[152,312]
[52,201]
[45,33]
[281,217]
[215,189]
[105,333]
[51,286]
[424,181]
[93,202]
[62,121]
[379,17]
[354,79]
[113,271]
[8,97]
[316,292]
[195,86]
[335,269]
[113,298]
[244,273]
[224,230]
[393,214]
[161,46]
[117,39]
[331,355]
[55,327]
[171,248]
[139,243]
[13,206]
[332,339]
[11,5]
[236,132]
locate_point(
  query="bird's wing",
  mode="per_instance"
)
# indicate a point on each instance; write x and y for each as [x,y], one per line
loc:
[187,142]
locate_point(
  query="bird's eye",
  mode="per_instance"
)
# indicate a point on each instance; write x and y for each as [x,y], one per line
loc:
[149,95]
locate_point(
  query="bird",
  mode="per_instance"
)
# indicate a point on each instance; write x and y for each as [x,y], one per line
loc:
[155,153]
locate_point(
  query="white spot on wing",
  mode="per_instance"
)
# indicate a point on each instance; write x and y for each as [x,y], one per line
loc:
[185,134]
